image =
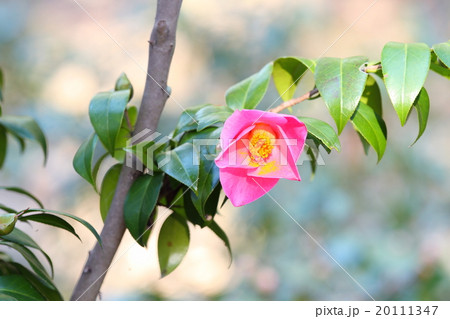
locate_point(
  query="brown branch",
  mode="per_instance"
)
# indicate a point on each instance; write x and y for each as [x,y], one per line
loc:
[161,48]
[293,102]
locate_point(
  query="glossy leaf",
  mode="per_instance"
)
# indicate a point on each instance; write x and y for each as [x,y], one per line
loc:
[23,192]
[173,243]
[187,120]
[3,145]
[323,132]
[78,219]
[405,68]
[49,293]
[32,260]
[312,150]
[106,112]
[82,161]
[21,238]
[422,105]
[108,189]
[17,287]
[249,92]
[140,203]
[371,127]
[181,163]
[212,115]
[287,72]
[97,168]
[51,220]
[126,129]
[189,211]
[439,67]
[25,127]
[341,84]
[123,83]
[222,235]
[208,179]
[4,297]
[372,95]
[442,50]
[8,209]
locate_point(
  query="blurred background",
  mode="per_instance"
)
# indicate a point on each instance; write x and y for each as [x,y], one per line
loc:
[388,225]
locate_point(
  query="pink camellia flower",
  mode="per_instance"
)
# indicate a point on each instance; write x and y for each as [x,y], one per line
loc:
[258,148]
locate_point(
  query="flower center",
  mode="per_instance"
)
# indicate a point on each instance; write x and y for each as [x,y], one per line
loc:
[262,139]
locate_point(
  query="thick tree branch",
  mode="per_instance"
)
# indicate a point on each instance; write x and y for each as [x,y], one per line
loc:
[162,45]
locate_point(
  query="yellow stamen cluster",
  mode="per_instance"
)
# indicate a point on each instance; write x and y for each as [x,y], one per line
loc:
[261,140]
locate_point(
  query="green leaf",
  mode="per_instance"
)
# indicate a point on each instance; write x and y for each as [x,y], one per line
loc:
[140,203]
[147,151]
[371,127]
[249,92]
[173,243]
[341,84]
[323,132]
[221,234]
[7,223]
[187,120]
[106,113]
[78,219]
[208,179]
[51,220]
[32,260]
[128,122]
[49,293]
[181,163]
[82,161]
[108,189]
[17,287]
[312,150]
[23,192]
[21,238]
[212,115]
[405,68]
[287,72]
[8,209]
[439,67]
[4,297]
[24,127]
[442,50]
[97,168]
[189,211]
[422,105]
[123,83]
[372,95]
[3,145]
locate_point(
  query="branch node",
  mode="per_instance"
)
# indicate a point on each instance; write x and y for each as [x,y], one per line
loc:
[87,270]
[162,31]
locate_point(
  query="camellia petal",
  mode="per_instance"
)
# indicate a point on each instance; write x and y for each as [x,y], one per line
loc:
[242,189]
[258,148]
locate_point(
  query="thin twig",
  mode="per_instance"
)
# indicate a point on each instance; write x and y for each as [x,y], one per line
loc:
[295,101]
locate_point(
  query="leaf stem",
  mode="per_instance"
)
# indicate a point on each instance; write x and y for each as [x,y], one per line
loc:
[295,101]
[371,68]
